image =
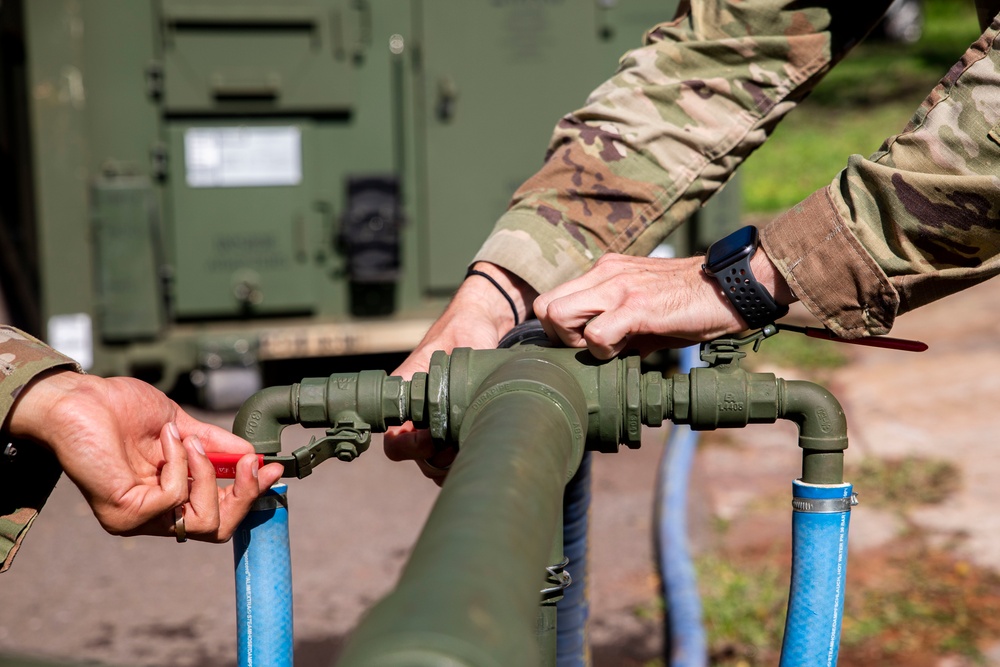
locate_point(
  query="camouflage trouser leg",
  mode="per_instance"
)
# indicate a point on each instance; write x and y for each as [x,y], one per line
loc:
[659,138]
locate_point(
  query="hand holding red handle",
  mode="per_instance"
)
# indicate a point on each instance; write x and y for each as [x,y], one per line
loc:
[225,464]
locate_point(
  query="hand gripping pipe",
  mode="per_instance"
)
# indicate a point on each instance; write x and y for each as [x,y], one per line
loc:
[522,417]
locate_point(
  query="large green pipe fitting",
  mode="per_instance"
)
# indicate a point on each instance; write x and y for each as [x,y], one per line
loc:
[480,561]
[611,390]
[369,397]
[619,400]
[727,396]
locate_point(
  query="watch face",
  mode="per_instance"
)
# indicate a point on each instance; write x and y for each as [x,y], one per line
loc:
[732,248]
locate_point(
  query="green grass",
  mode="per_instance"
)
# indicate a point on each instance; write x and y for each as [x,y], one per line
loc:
[793,350]
[924,603]
[744,609]
[903,483]
[908,602]
[867,98]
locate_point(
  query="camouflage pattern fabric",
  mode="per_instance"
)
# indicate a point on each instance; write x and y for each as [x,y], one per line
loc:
[27,479]
[667,131]
[917,221]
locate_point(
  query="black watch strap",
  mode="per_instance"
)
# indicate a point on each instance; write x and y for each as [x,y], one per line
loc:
[751,299]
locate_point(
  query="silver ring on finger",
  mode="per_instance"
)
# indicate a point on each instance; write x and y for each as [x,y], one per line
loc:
[435,468]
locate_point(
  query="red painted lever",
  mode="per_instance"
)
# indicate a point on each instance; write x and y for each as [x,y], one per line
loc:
[873,341]
[225,464]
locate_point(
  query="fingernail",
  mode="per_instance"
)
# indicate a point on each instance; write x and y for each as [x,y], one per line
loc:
[196,443]
[254,467]
[174,430]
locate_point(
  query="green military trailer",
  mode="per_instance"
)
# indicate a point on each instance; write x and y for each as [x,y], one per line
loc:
[194,188]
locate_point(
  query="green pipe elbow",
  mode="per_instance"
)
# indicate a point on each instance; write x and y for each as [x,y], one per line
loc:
[263,417]
[821,420]
[822,430]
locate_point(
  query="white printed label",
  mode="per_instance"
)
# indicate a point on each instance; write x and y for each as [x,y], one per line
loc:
[71,335]
[232,157]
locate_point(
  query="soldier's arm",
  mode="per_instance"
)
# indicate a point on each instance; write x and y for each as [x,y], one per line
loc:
[28,473]
[915,222]
[134,453]
[657,140]
[650,146]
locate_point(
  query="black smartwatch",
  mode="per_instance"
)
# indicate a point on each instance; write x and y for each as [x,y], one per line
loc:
[728,261]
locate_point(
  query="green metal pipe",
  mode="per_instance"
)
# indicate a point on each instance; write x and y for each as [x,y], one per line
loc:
[263,417]
[376,399]
[822,430]
[728,397]
[469,594]
[522,417]
[822,467]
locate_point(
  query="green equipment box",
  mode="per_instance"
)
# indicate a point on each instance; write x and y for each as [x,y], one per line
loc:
[219,183]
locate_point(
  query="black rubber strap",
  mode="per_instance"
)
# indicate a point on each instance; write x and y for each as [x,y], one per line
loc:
[751,299]
[513,308]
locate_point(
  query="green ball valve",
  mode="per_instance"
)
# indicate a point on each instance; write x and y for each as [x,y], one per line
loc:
[619,400]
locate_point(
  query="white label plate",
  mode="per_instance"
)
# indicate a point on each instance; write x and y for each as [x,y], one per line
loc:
[71,335]
[233,157]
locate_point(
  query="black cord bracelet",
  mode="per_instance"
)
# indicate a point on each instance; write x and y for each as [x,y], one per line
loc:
[473,272]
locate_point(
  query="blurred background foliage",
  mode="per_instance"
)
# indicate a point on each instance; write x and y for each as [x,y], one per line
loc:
[864,100]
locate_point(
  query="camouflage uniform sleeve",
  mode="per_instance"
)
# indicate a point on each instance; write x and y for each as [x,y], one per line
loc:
[917,221]
[27,479]
[667,131]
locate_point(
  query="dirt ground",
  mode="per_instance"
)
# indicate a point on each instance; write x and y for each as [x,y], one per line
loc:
[76,593]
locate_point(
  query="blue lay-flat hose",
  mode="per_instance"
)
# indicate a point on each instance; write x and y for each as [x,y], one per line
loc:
[573,609]
[685,640]
[821,517]
[264,583]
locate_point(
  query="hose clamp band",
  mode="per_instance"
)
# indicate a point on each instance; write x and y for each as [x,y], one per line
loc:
[270,501]
[823,505]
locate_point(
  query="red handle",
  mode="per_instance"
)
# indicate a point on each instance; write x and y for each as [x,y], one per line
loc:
[873,341]
[225,464]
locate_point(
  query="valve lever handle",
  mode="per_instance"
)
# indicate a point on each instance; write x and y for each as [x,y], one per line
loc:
[887,342]
[225,464]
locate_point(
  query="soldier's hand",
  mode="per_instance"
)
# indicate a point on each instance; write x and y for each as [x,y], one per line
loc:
[136,455]
[477,317]
[643,304]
